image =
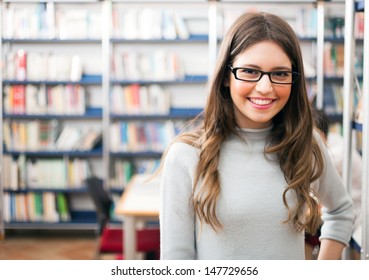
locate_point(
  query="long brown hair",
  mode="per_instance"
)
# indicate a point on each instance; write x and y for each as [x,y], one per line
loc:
[291,138]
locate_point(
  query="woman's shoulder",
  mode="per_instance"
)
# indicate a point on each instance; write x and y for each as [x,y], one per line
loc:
[181,156]
[180,148]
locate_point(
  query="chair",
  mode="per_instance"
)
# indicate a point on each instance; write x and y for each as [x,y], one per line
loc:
[110,237]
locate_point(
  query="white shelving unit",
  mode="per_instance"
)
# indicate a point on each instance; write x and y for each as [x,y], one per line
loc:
[363,234]
[43,39]
[365,186]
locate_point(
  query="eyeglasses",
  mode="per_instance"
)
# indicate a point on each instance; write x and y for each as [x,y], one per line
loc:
[254,75]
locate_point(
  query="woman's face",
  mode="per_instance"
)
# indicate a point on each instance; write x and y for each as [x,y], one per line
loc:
[256,103]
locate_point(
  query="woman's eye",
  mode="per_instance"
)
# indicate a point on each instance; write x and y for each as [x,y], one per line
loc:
[250,71]
[280,74]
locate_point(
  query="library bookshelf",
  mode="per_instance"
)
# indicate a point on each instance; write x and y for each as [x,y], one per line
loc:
[51,112]
[132,106]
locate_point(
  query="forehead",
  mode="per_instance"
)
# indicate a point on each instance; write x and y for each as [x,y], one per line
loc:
[264,53]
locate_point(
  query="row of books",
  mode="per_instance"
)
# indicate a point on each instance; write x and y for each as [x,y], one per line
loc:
[24,173]
[48,135]
[36,207]
[56,100]
[136,99]
[74,138]
[359,25]
[335,27]
[306,22]
[303,21]
[148,23]
[43,21]
[333,99]
[42,66]
[333,59]
[123,170]
[156,65]
[40,20]
[137,136]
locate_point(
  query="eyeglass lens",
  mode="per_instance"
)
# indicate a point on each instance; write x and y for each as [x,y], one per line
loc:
[249,74]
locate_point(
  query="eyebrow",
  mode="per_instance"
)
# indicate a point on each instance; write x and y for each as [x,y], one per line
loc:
[254,66]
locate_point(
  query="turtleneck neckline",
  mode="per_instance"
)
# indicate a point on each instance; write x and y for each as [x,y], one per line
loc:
[254,134]
[256,130]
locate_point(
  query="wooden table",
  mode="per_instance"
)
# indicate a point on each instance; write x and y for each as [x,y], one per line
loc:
[140,201]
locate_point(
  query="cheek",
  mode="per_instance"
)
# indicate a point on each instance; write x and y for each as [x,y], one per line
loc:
[240,90]
[284,93]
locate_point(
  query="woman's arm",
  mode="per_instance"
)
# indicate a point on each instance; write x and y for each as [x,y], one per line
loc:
[337,207]
[177,221]
[330,250]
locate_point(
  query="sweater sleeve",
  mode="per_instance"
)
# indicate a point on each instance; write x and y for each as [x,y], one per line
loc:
[176,215]
[337,205]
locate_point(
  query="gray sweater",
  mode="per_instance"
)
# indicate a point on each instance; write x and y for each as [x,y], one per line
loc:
[250,205]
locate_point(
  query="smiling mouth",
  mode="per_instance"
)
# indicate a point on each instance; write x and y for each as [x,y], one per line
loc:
[261,102]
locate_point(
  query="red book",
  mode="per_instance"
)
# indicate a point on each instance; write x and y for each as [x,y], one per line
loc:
[21,65]
[19,99]
[135,91]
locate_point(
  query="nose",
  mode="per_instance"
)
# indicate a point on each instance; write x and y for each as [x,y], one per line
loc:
[264,85]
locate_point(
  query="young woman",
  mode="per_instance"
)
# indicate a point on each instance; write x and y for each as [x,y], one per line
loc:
[248,182]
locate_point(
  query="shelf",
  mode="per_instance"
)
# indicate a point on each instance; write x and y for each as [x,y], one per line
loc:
[188,79]
[65,190]
[93,153]
[175,113]
[50,41]
[329,79]
[192,39]
[331,39]
[146,154]
[91,113]
[79,220]
[86,80]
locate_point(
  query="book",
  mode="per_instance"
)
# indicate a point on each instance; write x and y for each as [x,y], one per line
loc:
[76,69]
[149,24]
[7,207]
[50,213]
[21,172]
[21,65]
[7,134]
[359,113]
[39,207]
[18,103]
[90,139]
[169,31]
[33,135]
[181,28]
[31,207]
[129,24]
[62,207]
[36,73]
[31,100]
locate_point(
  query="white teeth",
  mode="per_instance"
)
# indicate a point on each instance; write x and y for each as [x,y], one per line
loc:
[261,101]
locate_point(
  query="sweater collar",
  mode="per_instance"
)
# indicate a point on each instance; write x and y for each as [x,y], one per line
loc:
[254,133]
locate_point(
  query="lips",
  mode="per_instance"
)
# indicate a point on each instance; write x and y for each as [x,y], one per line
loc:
[261,101]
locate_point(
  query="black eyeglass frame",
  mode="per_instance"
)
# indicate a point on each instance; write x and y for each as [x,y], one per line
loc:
[295,75]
